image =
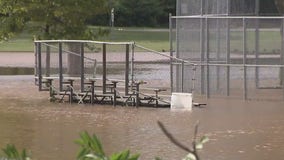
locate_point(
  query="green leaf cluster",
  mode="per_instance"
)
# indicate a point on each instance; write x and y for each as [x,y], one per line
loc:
[144,13]
[56,19]
[133,13]
[11,153]
[91,149]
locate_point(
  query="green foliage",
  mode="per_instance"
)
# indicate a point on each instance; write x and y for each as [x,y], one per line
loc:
[138,13]
[56,19]
[11,153]
[12,18]
[146,13]
[91,149]
[268,7]
[89,145]
[125,155]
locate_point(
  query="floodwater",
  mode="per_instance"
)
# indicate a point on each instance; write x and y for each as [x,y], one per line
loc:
[237,129]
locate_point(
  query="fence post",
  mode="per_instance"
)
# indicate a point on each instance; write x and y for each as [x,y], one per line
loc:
[202,46]
[38,53]
[132,64]
[207,59]
[182,76]
[257,9]
[104,68]
[228,43]
[60,67]
[47,61]
[245,58]
[256,52]
[282,59]
[171,50]
[82,66]
[126,69]
[177,55]
[218,53]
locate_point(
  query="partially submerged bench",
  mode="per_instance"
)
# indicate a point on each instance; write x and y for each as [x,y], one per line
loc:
[95,93]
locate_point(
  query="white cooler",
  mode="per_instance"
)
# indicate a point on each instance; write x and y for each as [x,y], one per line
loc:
[181,101]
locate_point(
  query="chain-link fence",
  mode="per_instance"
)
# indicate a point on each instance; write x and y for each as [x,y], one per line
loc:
[236,56]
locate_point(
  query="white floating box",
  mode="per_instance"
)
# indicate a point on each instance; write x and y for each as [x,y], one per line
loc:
[181,101]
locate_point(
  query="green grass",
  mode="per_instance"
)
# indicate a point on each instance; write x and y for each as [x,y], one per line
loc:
[269,42]
[150,38]
[21,42]
[156,39]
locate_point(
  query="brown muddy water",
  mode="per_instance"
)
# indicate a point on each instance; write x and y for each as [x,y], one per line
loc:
[237,129]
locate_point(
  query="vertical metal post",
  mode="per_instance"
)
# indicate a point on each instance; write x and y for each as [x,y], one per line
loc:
[126,69]
[256,52]
[228,7]
[228,43]
[178,87]
[245,58]
[38,52]
[137,94]
[218,54]
[36,64]
[207,60]
[132,63]
[60,67]
[257,9]
[202,41]
[202,49]
[82,66]
[104,68]
[282,59]
[182,76]
[47,61]
[171,50]
[217,9]
[202,7]
[177,69]
[178,6]
[114,93]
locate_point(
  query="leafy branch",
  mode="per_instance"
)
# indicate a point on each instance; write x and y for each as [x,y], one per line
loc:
[91,149]
[12,153]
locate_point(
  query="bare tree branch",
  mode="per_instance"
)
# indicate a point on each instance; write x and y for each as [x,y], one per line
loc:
[180,145]
[195,141]
[172,139]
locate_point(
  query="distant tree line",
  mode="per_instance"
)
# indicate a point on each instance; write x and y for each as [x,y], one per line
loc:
[154,13]
[141,13]
[268,7]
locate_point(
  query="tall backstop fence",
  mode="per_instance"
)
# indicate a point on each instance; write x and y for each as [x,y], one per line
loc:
[231,56]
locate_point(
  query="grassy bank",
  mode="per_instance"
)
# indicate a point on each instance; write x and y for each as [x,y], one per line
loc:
[156,39]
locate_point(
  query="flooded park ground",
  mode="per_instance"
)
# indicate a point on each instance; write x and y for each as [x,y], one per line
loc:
[237,129]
